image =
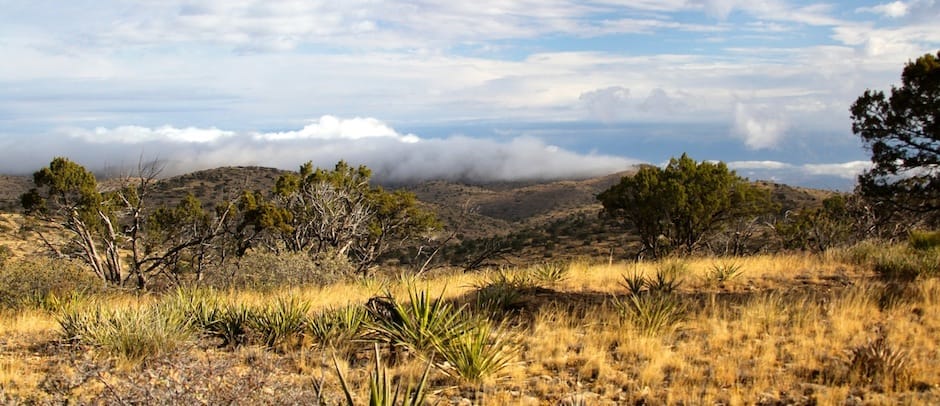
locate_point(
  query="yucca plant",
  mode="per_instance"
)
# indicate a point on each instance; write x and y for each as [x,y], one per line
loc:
[231,325]
[333,327]
[281,324]
[724,271]
[201,308]
[651,314]
[132,333]
[419,324]
[380,387]
[635,283]
[76,317]
[479,353]
[879,362]
[666,279]
[551,273]
[500,291]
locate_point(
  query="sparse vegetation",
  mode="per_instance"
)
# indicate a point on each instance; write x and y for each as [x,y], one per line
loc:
[583,336]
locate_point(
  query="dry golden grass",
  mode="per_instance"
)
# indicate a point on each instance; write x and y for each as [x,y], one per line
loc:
[781,331]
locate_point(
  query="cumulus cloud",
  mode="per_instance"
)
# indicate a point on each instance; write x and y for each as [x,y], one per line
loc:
[660,101]
[759,125]
[393,156]
[330,127]
[607,104]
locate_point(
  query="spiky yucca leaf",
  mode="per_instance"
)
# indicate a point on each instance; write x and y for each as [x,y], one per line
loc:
[420,324]
[479,353]
[380,387]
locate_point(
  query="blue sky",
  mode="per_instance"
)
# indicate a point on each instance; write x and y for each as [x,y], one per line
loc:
[484,90]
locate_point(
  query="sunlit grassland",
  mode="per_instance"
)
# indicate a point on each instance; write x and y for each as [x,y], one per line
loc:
[793,328]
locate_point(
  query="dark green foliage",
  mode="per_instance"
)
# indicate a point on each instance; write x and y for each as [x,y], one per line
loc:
[819,229]
[902,131]
[676,207]
[105,225]
[334,212]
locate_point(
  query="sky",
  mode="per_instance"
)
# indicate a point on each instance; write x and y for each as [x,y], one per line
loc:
[488,90]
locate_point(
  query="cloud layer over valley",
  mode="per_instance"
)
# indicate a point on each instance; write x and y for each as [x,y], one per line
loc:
[393,156]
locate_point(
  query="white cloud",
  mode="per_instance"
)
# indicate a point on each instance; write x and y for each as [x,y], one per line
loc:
[333,128]
[138,135]
[846,170]
[894,9]
[659,101]
[760,126]
[758,165]
[607,104]
[392,156]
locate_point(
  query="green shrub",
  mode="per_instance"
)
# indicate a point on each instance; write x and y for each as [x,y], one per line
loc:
[268,271]
[924,240]
[281,324]
[39,282]
[651,314]
[479,353]
[204,311]
[500,292]
[724,271]
[232,324]
[421,324]
[129,333]
[635,283]
[907,264]
[551,273]
[336,327]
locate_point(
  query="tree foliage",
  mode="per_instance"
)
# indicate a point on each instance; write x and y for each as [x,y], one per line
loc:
[107,224]
[338,213]
[678,206]
[902,131]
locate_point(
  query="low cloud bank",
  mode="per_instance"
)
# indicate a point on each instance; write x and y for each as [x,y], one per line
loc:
[393,157]
[839,176]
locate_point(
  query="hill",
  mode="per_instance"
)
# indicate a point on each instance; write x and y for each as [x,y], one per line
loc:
[528,221]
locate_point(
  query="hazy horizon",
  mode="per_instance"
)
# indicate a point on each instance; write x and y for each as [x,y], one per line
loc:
[493,91]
